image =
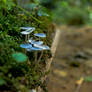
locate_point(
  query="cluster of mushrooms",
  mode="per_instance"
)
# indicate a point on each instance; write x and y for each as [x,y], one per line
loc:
[31,44]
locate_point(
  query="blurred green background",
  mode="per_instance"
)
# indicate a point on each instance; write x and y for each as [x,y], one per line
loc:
[72,12]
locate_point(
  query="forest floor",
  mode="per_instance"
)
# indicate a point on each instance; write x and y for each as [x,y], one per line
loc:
[72,61]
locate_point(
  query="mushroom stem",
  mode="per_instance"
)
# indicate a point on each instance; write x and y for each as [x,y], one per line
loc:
[40,57]
[25,41]
[39,38]
[35,56]
[26,38]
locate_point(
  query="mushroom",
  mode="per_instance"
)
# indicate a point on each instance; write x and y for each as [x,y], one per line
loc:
[26,46]
[36,48]
[40,35]
[27,32]
[35,42]
[43,47]
[25,28]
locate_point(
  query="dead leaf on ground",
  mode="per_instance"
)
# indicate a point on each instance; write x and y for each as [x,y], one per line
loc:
[60,73]
[80,81]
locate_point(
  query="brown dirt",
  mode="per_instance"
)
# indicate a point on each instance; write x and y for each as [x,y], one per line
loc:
[75,46]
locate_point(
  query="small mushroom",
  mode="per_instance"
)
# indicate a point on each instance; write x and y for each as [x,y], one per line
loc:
[36,48]
[26,28]
[26,46]
[35,42]
[27,32]
[40,35]
[43,47]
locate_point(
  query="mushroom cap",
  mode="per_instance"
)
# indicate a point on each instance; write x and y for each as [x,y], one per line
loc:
[43,47]
[24,33]
[37,47]
[35,42]
[34,49]
[28,31]
[40,35]
[26,46]
[26,28]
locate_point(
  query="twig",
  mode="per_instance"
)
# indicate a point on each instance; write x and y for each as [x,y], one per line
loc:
[78,88]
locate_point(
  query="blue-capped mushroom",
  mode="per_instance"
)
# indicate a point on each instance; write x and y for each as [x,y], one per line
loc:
[27,31]
[40,35]
[34,49]
[43,47]
[35,42]
[26,46]
[26,28]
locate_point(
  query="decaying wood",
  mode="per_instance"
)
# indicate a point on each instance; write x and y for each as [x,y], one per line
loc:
[53,50]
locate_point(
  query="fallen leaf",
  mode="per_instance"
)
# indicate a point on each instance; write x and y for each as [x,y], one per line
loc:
[19,57]
[79,82]
[60,73]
